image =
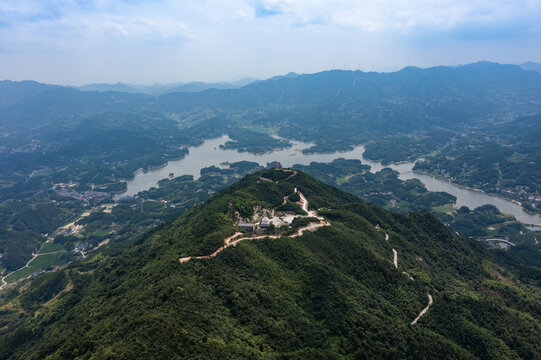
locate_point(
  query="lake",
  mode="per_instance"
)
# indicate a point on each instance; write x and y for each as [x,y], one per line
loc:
[209,153]
[464,197]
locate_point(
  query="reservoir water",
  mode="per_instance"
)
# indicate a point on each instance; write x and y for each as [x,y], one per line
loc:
[209,153]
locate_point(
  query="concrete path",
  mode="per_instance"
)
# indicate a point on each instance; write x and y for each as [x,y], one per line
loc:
[501,240]
[430,300]
[424,310]
[408,275]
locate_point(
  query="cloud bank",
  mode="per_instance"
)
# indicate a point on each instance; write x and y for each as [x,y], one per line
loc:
[76,41]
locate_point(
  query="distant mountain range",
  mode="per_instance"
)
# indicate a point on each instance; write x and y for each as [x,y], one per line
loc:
[533,66]
[335,109]
[334,84]
[14,91]
[158,89]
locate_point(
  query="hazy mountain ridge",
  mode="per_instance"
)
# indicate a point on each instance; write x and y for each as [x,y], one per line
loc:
[105,87]
[465,82]
[14,91]
[159,89]
[530,65]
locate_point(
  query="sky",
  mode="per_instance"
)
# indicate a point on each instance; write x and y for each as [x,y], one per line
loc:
[76,42]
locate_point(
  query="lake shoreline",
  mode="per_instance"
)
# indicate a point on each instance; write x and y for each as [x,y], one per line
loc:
[466,187]
[209,153]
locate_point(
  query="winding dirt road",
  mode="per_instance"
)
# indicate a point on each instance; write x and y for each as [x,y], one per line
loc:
[430,300]
[501,240]
[424,310]
[312,227]
[284,170]
[34,256]
[408,275]
[233,240]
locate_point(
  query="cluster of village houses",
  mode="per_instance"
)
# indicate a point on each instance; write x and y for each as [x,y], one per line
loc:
[66,190]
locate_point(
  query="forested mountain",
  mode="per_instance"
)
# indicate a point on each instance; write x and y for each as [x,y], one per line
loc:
[351,106]
[334,109]
[484,85]
[336,292]
[51,135]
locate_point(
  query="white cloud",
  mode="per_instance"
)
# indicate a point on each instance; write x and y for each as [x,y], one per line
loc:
[216,39]
[130,26]
[172,19]
[402,15]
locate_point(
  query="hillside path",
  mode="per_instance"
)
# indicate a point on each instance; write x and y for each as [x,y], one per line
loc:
[233,240]
[501,240]
[424,310]
[430,299]
[293,173]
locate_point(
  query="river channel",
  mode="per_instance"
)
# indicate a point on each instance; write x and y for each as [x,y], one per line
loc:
[209,153]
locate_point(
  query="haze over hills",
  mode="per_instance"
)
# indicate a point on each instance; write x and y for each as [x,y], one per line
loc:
[60,133]
[14,91]
[530,65]
[158,89]
[118,87]
[334,109]
[468,91]
[335,292]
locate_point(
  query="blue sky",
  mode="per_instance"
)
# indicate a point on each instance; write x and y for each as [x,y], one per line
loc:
[136,41]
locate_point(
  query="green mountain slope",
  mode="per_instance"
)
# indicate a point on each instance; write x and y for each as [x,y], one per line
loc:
[331,293]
